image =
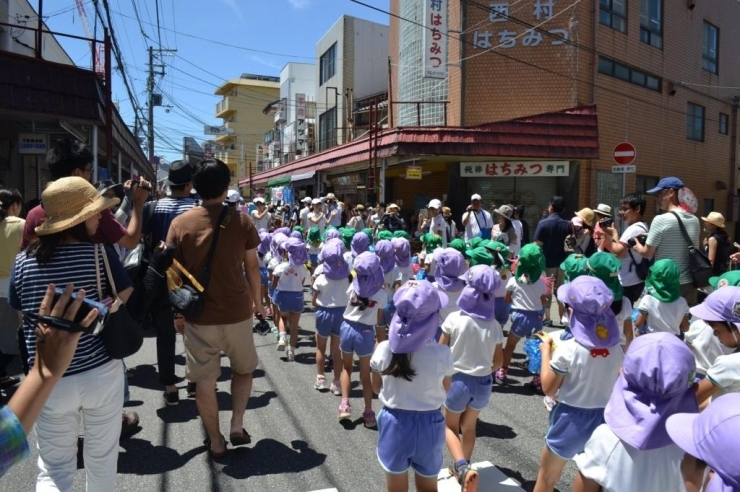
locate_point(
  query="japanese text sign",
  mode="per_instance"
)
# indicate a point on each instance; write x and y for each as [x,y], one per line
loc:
[509,169]
[435,39]
[414,172]
[504,38]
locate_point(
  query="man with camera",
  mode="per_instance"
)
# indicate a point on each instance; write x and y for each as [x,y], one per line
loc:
[477,222]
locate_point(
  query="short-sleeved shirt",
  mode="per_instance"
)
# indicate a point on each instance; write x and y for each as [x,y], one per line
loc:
[331,293]
[588,380]
[664,316]
[478,219]
[551,232]
[473,342]
[725,373]
[227,298]
[263,223]
[391,279]
[425,392]
[451,306]
[110,231]
[527,297]
[437,225]
[336,219]
[321,224]
[165,211]
[666,237]
[11,233]
[369,315]
[628,273]
[705,346]
[304,218]
[292,277]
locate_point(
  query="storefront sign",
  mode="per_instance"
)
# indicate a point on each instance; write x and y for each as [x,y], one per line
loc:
[435,39]
[32,143]
[542,11]
[350,179]
[509,169]
[413,172]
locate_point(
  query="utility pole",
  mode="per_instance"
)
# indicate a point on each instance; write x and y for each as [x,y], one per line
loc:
[154,100]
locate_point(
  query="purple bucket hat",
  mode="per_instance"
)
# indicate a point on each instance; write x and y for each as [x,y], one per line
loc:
[450,265]
[297,252]
[265,240]
[721,305]
[476,298]
[332,257]
[278,240]
[283,230]
[711,436]
[592,322]
[386,253]
[262,229]
[360,243]
[655,383]
[403,251]
[296,234]
[369,277]
[416,319]
[333,234]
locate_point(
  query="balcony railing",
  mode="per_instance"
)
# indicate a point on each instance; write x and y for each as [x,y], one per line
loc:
[223,108]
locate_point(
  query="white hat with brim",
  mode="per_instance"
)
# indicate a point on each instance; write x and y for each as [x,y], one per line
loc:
[259,199]
[71,201]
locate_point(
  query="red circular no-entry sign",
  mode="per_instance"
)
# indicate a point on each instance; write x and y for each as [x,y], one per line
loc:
[624,153]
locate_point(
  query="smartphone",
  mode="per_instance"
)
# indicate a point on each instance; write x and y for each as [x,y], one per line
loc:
[423,213]
[87,306]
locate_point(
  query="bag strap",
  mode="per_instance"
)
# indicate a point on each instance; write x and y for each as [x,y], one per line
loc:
[108,273]
[205,277]
[689,242]
[97,272]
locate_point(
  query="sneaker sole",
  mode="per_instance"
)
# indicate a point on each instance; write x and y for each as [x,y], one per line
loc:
[345,416]
[169,403]
[281,348]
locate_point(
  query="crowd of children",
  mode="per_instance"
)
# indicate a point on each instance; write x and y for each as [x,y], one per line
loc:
[624,383]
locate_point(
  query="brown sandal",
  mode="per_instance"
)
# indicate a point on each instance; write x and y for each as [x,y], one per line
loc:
[211,453]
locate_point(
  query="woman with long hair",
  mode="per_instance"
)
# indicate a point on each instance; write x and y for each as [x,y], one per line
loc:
[717,244]
[11,232]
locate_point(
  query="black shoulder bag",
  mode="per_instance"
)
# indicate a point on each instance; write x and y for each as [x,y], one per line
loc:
[699,265]
[642,269]
[188,299]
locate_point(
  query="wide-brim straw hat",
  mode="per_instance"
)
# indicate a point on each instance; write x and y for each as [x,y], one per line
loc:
[69,202]
[716,219]
[587,215]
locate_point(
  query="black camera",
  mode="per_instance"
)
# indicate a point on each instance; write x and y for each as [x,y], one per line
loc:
[608,222]
[642,238]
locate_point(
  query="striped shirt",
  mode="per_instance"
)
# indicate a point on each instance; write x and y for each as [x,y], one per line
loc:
[71,263]
[165,212]
[666,237]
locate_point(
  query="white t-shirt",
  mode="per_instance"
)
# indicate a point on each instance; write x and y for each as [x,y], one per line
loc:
[425,392]
[725,373]
[705,346]
[451,305]
[332,293]
[357,223]
[369,316]
[350,259]
[321,224]
[313,250]
[473,342]
[628,273]
[407,273]
[473,229]
[318,271]
[588,380]
[663,316]
[391,278]
[501,290]
[273,263]
[291,277]
[527,297]
[618,467]
[437,225]
[304,218]
[624,315]
[263,223]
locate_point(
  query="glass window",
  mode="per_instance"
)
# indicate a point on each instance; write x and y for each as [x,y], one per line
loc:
[645,183]
[651,23]
[710,48]
[638,78]
[695,122]
[606,66]
[327,64]
[653,83]
[328,129]
[629,74]
[621,72]
[613,13]
[707,206]
[723,123]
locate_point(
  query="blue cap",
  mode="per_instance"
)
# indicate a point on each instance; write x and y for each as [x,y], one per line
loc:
[669,183]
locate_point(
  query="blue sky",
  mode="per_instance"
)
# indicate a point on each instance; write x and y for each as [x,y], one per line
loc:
[264,34]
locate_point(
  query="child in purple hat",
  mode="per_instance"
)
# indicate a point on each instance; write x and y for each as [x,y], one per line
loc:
[475,338]
[330,299]
[392,279]
[277,255]
[632,450]
[402,248]
[581,371]
[409,375]
[357,333]
[721,311]
[263,257]
[450,267]
[288,279]
[710,436]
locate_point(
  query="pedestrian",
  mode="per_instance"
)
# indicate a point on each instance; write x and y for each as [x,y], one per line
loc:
[392,279]
[313,242]
[450,268]
[662,308]
[602,220]
[500,254]
[450,230]
[330,298]
[262,216]
[717,244]
[263,258]
[605,266]
[584,242]
[333,211]
[357,334]
[303,213]
[391,221]
[523,225]
[632,450]
[289,278]
[402,250]
[409,375]
[476,221]
[277,256]
[360,243]
[433,222]
[11,233]
[316,217]
[475,339]
[225,324]
[526,293]
[377,216]
[233,199]
[504,231]
[581,371]
[357,222]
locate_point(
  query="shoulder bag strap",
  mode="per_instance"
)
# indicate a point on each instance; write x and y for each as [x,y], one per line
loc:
[97,272]
[206,275]
[108,273]
[475,215]
[689,242]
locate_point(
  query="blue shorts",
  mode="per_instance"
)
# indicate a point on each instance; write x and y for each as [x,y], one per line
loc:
[357,338]
[389,311]
[329,321]
[525,323]
[571,428]
[408,439]
[468,391]
[264,276]
[289,302]
[271,292]
[314,260]
[501,311]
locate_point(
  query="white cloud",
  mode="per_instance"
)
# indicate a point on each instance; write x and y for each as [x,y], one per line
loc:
[299,4]
[233,6]
[266,61]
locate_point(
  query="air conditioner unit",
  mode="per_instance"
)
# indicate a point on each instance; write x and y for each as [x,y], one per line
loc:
[280,117]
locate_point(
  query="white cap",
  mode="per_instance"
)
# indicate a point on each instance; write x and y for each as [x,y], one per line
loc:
[435,204]
[475,197]
[330,196]
[233,196]
[259,199]
[307,199]
[316,201]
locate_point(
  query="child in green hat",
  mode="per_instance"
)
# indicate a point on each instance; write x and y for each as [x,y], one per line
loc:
[479,256]
[385,235]
[662,308]
[347,234]
[431,243]
[459,245]
[403,234]
[606,266]
[313,241]
[573,267]
[526,292]
[502,265]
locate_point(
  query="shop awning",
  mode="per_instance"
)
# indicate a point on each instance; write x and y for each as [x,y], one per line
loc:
[301,177]
[278,182]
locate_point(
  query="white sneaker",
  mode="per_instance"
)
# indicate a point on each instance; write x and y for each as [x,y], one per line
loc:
[290,354]
[335,388]
[281,343]
[320,384]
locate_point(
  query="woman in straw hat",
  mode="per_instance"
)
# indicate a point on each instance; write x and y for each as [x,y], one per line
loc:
[717,243]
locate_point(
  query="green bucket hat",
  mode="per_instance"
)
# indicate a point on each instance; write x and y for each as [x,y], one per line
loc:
[474,243]
[731,279]
[347,234]
[479,256]
[385,235]
[662,281]
[498,249]
[431,241]
[574,266]
[314,235]
[459,245]
[530,265]
[298,229]
[605,266]
[369,233]
[402,234]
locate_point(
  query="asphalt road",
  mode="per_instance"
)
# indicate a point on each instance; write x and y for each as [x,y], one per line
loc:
[298,443]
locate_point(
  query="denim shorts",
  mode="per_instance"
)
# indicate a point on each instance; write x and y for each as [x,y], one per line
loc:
[289,302]
[329,321]
[501,311]
[409,439]
[525,323]
[264,276]
[357,338]
[571,428]
[468,391]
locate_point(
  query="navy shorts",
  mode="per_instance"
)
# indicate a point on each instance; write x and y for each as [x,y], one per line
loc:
[264,276]
[411,440]
[501,311]
[468,391]
[357,338]
[525,323]
[289,302]
[571,428]
[329,321]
